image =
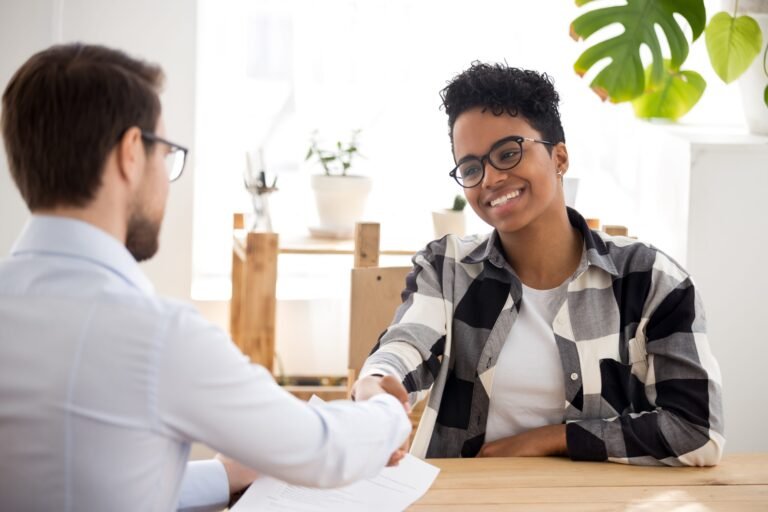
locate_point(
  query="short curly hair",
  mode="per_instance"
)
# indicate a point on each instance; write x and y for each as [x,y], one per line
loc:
[503,89]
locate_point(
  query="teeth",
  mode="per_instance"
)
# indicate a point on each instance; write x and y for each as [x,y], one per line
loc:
[505,198]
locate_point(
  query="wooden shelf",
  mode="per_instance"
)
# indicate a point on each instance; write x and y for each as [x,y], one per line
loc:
[318,246]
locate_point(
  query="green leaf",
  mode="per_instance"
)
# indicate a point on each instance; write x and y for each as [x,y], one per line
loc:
[732,44]
[765,95]
[309,154]
[623,78]
[678,92]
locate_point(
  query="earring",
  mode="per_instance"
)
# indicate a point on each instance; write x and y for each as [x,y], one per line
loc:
[560,172]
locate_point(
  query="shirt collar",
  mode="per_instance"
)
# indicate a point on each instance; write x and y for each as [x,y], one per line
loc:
[489,250]
[71,238]
[596,250]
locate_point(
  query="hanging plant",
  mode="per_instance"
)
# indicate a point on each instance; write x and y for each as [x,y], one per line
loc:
[732,44]
[624,78]
[677,93]
[663,89]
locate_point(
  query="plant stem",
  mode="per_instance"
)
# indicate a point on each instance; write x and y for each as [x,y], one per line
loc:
[735,8]
[765,60]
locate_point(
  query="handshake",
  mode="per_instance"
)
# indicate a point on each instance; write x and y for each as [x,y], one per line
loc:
[240,476]
[373,385]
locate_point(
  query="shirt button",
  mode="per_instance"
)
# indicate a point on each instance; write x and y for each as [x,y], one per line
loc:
[574,376]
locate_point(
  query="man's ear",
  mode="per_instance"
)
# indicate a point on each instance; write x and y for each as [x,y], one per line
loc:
[560,156]
[131,156]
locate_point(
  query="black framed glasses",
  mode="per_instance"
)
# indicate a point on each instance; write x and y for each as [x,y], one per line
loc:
[176,157]
[503,156]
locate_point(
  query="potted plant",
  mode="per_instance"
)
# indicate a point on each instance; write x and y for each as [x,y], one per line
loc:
[339,195]
[735,42]
[450,220]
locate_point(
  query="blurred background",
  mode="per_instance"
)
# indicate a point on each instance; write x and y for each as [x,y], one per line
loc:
[259,77]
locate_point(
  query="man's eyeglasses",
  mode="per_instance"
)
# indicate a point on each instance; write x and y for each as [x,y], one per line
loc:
[176,157]
[504,155]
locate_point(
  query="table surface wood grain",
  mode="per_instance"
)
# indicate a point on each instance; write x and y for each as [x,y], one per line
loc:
[738,483]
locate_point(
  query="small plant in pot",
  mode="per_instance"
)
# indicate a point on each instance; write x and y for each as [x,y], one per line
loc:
[336,161]
[340,196]
[450,220]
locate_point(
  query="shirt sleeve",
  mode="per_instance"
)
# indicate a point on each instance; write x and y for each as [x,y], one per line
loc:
[412,347]
[683,424]
[208,391]
[204,487]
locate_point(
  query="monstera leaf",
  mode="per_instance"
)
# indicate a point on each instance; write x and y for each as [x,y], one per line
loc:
[624,79]
[732,44]
[677,93]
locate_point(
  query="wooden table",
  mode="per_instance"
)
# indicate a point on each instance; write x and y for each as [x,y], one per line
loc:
[738,483]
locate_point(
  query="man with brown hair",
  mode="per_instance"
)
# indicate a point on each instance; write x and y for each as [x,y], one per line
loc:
[103,384]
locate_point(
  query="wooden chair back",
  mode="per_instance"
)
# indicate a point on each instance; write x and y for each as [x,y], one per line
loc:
[375,295]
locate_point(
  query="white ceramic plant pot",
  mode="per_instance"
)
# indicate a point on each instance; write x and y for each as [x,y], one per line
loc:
[753,82]
[449,222]
[340,204]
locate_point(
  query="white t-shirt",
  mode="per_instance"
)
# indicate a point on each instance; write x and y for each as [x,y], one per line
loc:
[528,389]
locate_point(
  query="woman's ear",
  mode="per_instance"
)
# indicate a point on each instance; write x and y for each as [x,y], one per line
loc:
[131,155]
[560,157]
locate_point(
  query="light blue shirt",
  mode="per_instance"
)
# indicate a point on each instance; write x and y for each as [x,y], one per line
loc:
[104,385]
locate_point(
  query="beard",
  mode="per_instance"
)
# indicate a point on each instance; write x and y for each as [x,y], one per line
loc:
[142,236]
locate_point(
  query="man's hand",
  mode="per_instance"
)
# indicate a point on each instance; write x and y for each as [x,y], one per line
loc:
[373,385]
[239,476]
[539,442]
[401,452]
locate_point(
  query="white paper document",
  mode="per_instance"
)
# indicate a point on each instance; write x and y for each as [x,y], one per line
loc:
[393,489]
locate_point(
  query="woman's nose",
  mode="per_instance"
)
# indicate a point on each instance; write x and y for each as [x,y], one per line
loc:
[492,176]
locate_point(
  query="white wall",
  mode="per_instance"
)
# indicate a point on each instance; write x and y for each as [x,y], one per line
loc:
[701,194]
[162,32]
[727,244]
[24,28]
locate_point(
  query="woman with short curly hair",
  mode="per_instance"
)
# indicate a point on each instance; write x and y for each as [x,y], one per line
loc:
[545,337]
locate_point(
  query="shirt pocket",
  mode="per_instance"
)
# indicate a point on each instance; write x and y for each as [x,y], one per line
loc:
[638,356]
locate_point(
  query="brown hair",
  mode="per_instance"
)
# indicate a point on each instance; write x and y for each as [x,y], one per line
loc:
[63,112]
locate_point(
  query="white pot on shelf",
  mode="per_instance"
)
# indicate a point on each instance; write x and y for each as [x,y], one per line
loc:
[340,203]
[449,222]
[753,82]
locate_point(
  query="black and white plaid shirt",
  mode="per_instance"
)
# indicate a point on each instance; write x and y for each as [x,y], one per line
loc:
[641,385]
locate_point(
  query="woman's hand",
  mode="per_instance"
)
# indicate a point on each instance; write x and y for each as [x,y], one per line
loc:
[539,442]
